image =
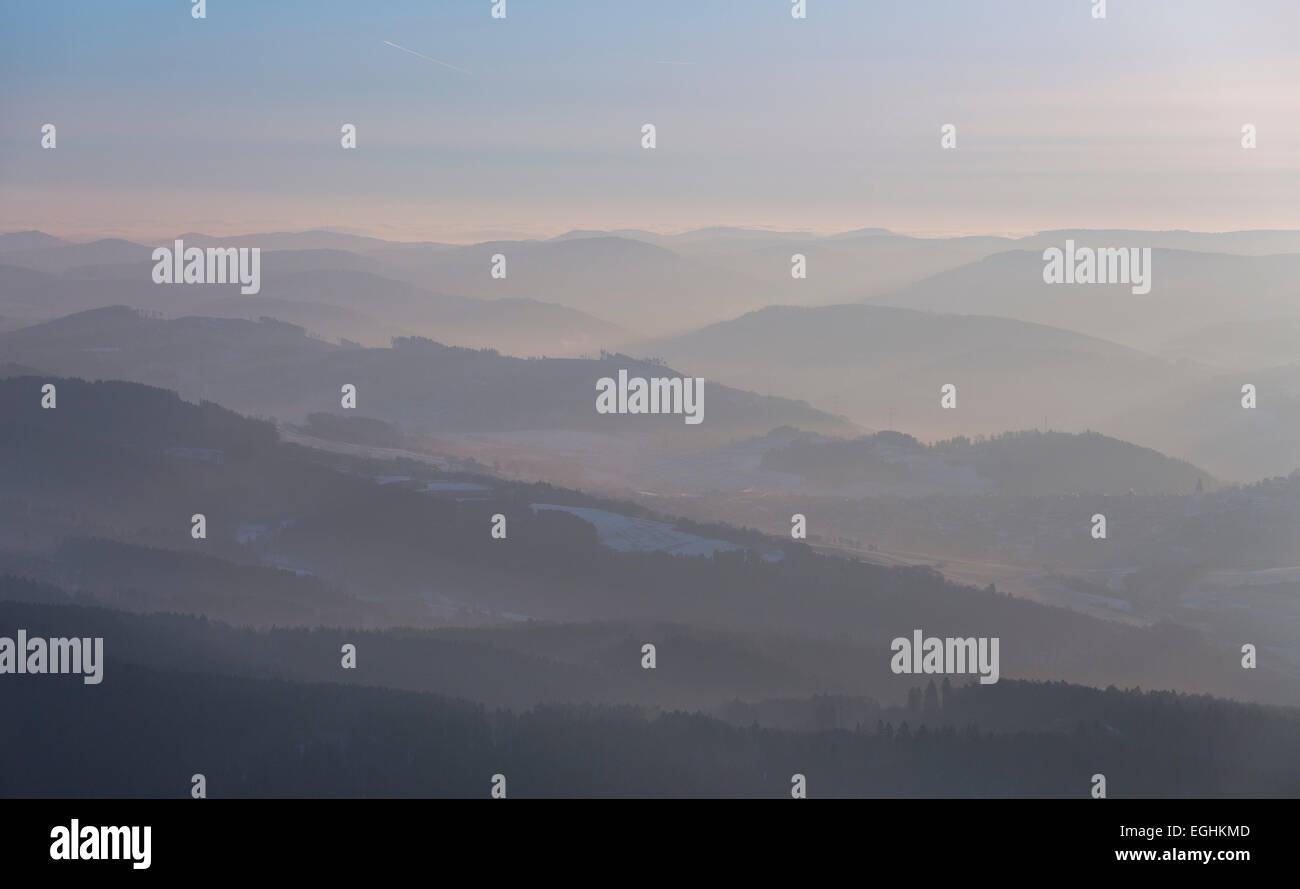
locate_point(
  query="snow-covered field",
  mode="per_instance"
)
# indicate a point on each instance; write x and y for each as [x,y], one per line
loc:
[441,485]
[626,534]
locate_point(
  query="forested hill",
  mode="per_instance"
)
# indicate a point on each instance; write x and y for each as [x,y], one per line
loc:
[144,732]
[1024,463]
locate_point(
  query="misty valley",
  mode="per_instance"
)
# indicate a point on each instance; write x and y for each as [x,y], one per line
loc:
[355,459]
[316,514]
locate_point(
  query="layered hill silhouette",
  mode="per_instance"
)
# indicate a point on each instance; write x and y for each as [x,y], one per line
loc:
[487,648]
[274,369]
[655,285]
[130,465]
[330,292]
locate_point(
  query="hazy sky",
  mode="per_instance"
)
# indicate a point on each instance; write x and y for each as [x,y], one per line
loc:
[231,124]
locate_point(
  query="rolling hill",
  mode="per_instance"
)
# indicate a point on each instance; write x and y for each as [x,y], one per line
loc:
[275,369]
[883,367]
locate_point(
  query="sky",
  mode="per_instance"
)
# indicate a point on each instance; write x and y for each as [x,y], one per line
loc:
[231,124]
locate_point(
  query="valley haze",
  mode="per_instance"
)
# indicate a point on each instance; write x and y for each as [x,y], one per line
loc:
[353,430]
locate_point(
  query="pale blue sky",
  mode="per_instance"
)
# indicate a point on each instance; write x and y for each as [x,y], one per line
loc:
[232,123]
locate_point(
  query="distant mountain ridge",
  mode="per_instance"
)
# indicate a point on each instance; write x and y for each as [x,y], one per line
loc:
[331,292]
[656,285]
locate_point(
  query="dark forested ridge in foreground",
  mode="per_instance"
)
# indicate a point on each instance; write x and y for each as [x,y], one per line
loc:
[145,732]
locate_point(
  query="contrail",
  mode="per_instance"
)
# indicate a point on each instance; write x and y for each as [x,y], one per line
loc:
[423,56]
